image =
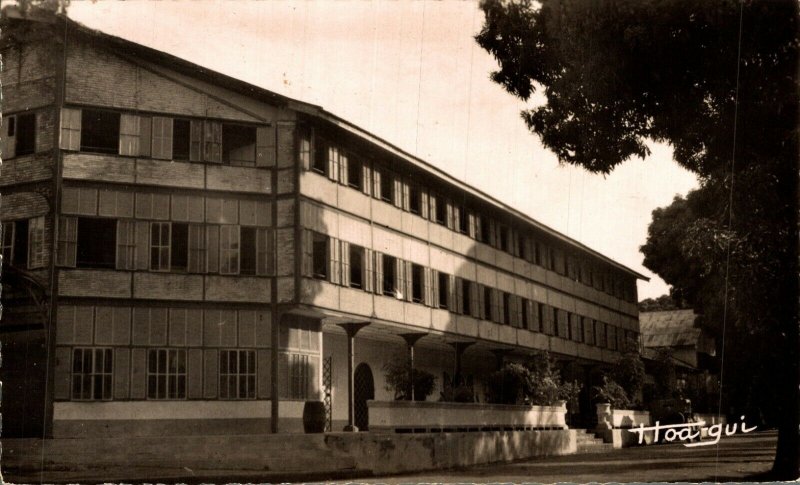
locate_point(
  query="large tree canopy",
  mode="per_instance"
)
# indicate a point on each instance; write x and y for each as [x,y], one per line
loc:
[716,80]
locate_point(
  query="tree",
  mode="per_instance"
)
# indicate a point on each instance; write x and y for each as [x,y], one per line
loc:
[662,303]
[717,81]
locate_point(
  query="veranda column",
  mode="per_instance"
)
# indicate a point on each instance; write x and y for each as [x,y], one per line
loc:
[351,329]
[411,339]
[459,347]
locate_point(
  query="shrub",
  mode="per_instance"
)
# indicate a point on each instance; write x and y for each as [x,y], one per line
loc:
[545,385]
[509,384]
[397,376]
[629,374]
[612,393]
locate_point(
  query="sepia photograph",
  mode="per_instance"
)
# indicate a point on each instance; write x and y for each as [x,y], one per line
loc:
[410,241]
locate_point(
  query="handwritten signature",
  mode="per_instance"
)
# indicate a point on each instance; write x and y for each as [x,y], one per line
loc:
[690,432]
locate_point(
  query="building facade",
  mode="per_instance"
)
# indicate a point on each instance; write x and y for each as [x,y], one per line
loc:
[186,253]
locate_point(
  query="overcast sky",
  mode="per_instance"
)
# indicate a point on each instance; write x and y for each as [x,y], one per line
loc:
[409,72]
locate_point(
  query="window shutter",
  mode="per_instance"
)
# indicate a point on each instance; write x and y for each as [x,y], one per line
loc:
[308,253]
[368,272]
[333,163]
[520,308]
[406,195]
[452,295]
[459,292]
[366,178]
[195,140]
[432,206]
[471,226]
[378,287]
[334,261]
[67,241]
[197,248]
[212,141]
[212,249]
[345,262]
[409,280]
[450,215]
[162,138]
[533,318]
[70,131]
[400,279]
[492,233]
[430,285]
[376,183]
[343,169]
[142,245]
[398,193]
[145,135]
[424,211]
[129,134]
[126,244]
[265,146]
[481,301]
[9,140]
[588,331]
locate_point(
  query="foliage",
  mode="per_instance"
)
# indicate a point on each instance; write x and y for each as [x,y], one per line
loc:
[457,394]
[629,373]
[537,382]
[664,375]
[612,82]
[612,393]
[662,303]
[509,384]
[55,6]
[397,374]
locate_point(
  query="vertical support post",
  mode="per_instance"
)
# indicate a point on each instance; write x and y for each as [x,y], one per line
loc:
[351,329]
[411,339]
[459,347]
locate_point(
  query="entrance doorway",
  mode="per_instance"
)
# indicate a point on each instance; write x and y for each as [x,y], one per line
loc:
[364,390]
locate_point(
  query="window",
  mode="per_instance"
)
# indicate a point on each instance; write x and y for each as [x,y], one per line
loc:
[100,131]
[387,187]
[25,134]
[70,129]
[504,239]
[159,246]
[485,232]
[20,256]
[463,221]
[36,248]
[537,253]
[179,247]
[525,305]
[212,141]
[320,158]
[264,251]
[248,256]
[487,303]
[415,202]
[304,146]
[166,374]
[96,242]
[444,290]
[466,297]
[356,266]
[506,308]
[417,283]
[319,258]
[162,138]
[355,177]
[297,376]
[556,324]
[197,248]
[237,374]
[181,139]
[441,211]
[129,134]
[389,275]
[229,244]
[8,242]
[239,144]
[92,371]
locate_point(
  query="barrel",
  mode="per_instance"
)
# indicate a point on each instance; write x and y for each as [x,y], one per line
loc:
[314,417]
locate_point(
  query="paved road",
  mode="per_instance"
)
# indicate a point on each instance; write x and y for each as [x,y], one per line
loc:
[737,458]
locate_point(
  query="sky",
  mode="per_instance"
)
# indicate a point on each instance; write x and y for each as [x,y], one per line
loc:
[411,73]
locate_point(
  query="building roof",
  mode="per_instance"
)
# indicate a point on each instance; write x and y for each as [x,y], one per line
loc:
[185,67]
[674,328]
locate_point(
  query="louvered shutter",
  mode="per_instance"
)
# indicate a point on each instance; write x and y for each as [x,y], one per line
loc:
[452,298]
[378,287]
[481,302]
[423,204]
[476,309]
[428,282]
[366,179]
[409,280]
[459,293]
[376,183]
[334,261]
[450,215]
[343,169]
[368,270]
[142,245]
[195,140]
[345,262]
[145,135]
[333,163]
[398,192]
[308,253]
[406,195]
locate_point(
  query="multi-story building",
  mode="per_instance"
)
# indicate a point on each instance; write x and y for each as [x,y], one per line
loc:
[185,252]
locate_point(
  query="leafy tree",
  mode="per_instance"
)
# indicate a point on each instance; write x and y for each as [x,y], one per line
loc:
[716,80]
[662,303]
[628,372]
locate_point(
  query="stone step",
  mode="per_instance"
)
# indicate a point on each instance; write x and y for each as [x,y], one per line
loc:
[595,448]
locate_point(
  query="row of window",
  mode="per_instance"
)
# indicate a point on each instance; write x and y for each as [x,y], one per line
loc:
[93,374]
[167,138]
[347,264]
[337,164]
[92,242]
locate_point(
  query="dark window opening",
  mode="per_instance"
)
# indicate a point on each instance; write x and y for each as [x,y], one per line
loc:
[319,248]
[179,242]
[504,239]
[417,283]
[387,187]
[441,211]
[466,297]
[26,134]
[181,139]
[20,259]
[97,243]
[569,335]
[12,126]
[99,131]
[487,303]
[389,274]
[486,230]
[414,203]
[238,144]
[525,323]
[506,308]
[463,222]
[356,266]
[556,323]
[540,315]
[247,257]
[537,253]
[320,157]
[354,174]
[444,289]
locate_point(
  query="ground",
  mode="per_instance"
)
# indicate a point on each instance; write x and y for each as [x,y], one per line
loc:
[737,458]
